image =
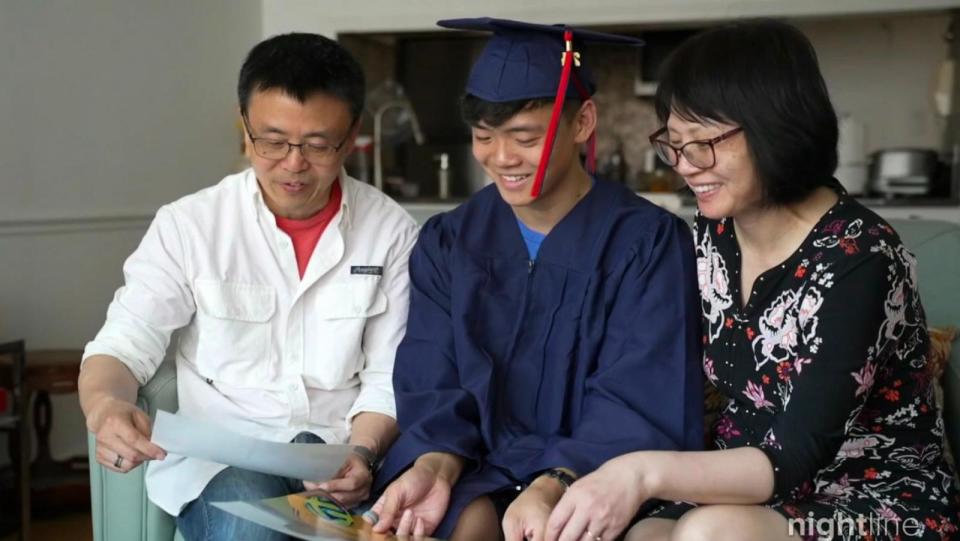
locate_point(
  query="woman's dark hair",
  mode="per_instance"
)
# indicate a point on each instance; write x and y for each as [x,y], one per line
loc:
[475,111]
[302,65]
[761,75]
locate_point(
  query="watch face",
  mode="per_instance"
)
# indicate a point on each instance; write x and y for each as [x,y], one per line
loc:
[563,477]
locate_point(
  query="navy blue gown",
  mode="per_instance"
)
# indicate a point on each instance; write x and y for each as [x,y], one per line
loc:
[589,352]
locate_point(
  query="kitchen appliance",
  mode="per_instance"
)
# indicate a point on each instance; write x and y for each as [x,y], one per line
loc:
[903,171]
[852,155]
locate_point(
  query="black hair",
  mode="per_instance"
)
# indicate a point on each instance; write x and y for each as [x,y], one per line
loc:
[761,75]
[475,111]
[302,65]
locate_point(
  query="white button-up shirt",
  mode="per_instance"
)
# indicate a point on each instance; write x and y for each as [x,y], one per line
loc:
[262,351]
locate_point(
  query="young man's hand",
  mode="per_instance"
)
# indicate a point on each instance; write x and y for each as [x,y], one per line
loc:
[526,518]
[416,502]
[350,485]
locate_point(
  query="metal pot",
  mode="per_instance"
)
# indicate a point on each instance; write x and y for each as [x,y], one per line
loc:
[903,171]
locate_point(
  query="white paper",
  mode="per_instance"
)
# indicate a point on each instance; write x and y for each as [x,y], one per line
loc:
[185,436]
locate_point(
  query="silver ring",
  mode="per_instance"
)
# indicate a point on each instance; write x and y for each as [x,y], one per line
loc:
[594,537]
[118,461]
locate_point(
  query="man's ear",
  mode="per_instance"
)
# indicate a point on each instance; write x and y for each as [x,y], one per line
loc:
[352,138]
[585,121]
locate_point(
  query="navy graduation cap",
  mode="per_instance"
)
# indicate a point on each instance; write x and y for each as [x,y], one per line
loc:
[525,61]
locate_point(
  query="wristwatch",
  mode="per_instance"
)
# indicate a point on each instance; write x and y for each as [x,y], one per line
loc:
[368,456]
[561,476]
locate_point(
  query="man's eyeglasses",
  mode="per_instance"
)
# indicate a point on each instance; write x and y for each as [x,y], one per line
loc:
[272,149]
[699,154]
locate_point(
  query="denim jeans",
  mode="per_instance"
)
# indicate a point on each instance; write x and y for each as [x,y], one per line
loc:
[200,521]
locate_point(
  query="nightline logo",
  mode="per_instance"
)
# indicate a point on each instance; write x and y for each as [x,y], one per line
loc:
[853,527]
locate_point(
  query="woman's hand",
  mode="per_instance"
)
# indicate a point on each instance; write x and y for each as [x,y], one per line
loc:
[601,505]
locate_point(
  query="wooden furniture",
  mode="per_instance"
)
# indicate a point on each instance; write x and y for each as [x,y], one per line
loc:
[52,371]
[12,360]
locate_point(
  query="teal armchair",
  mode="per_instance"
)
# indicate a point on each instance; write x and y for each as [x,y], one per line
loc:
[119,505]
[122,512]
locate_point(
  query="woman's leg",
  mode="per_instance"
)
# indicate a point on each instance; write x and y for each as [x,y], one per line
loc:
[477,522]
[732,523]
[651,529]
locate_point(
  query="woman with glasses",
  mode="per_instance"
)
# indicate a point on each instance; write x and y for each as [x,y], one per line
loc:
[812,326]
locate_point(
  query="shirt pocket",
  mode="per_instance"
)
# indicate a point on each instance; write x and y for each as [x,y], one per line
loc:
[344,308]
[234,330]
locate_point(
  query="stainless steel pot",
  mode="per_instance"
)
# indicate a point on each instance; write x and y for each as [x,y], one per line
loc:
[903,171]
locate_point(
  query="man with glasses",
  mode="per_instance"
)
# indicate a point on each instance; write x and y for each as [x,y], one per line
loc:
[288,283]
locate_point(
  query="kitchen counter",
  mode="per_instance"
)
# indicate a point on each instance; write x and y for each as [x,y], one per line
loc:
[913,208]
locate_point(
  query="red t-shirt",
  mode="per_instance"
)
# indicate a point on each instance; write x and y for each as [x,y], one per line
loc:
[306,233]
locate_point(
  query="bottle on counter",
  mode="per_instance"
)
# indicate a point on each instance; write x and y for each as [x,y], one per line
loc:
[443,175]
[614,166]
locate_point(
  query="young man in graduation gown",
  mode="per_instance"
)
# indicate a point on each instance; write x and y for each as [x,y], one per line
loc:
[553,316]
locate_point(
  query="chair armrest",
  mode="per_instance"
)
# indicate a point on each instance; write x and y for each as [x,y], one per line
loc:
[118,501]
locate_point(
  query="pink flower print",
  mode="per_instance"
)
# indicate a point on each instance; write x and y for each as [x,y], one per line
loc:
[703,272]
[720,281]
[777,315]
[809,306]
[864,378]
[708,369]
[726,429]
[798,364]
[888,514]
[788,336]
[898,296]
[834,227]
[755,393]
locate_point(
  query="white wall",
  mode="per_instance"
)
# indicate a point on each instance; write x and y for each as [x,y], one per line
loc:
[332,16]
[881,70]
[110,108]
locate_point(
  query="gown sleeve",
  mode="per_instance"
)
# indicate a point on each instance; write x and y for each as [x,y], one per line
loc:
[434,412]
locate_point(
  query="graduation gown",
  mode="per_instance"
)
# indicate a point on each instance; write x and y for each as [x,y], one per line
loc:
[589,352]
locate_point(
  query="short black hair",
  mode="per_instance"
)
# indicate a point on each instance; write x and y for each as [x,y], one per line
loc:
[302,65]
[762,75]
[475,111]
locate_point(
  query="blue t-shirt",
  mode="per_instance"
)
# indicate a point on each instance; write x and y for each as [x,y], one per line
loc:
[531,238]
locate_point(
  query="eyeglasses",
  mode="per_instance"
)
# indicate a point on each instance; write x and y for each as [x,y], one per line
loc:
[272,149]
[699,154]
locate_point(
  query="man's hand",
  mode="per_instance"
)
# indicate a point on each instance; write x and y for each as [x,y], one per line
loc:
[416,502]
[526,517]
[123,435]
[350,485]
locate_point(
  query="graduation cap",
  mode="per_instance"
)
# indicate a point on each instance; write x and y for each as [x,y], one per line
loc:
[525,61]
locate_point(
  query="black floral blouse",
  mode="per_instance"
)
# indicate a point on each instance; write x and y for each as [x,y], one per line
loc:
[825,371]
